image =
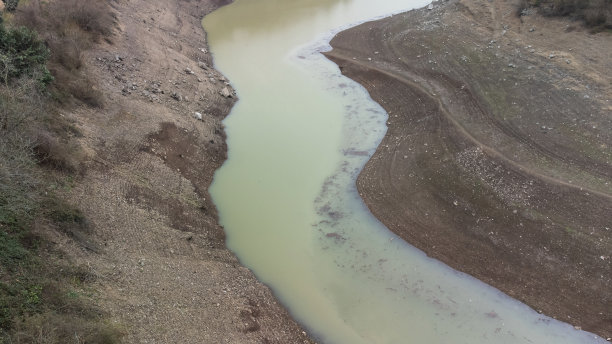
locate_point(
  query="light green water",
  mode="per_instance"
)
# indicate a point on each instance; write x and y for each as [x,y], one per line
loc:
[287,199]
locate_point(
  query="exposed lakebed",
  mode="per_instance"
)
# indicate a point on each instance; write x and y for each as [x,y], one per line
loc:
[286,196]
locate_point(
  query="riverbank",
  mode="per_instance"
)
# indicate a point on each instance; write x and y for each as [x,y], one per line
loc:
[162,270]
[497,157]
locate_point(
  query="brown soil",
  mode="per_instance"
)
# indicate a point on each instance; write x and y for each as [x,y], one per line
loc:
[497,159]
[163,271]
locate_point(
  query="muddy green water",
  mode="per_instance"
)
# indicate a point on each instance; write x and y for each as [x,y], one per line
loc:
[286,196]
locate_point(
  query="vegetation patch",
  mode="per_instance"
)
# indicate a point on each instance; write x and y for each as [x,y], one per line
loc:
[44,298]
[22,52]
[69,28]
[596,14]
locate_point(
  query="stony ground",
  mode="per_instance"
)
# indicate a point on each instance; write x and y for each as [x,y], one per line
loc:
[498,158]
[163,272]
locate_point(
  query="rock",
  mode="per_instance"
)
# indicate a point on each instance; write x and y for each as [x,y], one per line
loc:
[532,29]
[511,65]
[225,92]
[197,116]
[202,65]
[552,56]
[188,71]
[430,7]
[177,96]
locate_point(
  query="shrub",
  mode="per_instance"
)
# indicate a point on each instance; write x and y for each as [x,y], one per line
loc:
[596,14]
[70,27]
[10,5]
[91,16]
[62,156]
[21,52]
[61,17]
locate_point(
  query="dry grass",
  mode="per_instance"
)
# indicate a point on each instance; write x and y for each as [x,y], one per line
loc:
[69,28]
[53,328]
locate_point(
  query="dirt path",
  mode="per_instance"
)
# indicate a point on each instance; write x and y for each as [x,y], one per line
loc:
[163,272]
[498,158]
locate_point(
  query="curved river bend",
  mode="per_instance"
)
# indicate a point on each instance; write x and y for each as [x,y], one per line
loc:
[286,196]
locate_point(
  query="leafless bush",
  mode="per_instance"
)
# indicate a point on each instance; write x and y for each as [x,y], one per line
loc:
[596,14]
[63,156]
[91,16]
[67,51]
[69,28]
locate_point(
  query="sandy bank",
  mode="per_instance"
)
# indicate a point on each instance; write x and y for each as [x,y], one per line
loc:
[163,272]
[497,158]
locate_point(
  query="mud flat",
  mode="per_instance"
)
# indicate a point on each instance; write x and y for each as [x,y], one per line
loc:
[497,159]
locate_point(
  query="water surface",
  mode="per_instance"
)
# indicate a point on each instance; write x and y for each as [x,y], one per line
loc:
[286,196]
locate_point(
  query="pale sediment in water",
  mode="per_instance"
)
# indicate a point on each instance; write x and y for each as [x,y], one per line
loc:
[286,196]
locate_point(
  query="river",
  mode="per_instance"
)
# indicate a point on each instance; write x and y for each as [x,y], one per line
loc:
[297,139]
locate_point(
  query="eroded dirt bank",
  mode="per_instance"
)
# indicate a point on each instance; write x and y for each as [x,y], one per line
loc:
[498,158]
[163,272]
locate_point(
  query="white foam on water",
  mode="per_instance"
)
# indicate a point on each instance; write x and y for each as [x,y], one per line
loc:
[286,196]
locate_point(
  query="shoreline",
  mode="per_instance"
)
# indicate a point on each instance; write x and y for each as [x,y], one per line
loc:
[163,271]
[467,174]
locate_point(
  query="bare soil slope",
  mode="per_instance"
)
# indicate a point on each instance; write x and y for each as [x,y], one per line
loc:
[163,272]
[498,155]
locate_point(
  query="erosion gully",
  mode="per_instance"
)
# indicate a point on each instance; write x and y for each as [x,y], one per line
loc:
[297,139]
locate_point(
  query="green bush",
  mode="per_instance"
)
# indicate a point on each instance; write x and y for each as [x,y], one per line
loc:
[11,5]
[21,52]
